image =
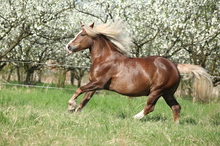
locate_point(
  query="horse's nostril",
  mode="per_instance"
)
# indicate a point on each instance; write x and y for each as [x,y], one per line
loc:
[68,46]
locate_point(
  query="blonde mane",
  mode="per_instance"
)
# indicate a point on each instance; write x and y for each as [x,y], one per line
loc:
[115,32]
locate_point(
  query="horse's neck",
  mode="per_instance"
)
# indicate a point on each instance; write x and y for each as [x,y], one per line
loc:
[103,49]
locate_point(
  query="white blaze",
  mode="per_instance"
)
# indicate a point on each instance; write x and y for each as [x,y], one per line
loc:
[72,40]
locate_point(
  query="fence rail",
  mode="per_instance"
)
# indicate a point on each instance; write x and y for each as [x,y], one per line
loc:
[34,86]
[45,87]
[47,64]
[50,64]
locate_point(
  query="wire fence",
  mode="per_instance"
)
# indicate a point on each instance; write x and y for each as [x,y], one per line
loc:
[44,87]
[49,65]
[57,65]
[34,86]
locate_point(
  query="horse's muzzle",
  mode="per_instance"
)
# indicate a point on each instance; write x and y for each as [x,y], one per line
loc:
[71,48]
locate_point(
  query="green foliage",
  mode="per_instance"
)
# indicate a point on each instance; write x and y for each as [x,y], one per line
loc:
[30,116]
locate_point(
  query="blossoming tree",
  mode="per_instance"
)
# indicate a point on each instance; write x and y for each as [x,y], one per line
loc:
[182,31]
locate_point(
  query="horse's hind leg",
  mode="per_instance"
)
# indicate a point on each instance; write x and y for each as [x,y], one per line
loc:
[174,105]
[149,107]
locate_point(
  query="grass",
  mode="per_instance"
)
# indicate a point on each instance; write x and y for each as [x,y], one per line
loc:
[30,116]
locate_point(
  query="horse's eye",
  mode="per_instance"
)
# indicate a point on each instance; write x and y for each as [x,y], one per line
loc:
[82,35]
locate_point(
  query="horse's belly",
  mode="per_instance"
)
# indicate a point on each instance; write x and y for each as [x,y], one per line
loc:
[135,86]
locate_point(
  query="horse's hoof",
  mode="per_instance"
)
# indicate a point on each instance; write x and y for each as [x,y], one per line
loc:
[70,111]
[77,110]
[139,115]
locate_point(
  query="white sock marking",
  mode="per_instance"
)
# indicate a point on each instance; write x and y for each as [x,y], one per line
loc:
[139,115]
[177,122]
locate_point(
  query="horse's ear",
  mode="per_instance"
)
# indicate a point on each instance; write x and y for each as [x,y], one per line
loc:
[81,24]
[91,25]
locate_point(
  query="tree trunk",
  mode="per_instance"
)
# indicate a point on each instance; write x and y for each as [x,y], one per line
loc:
[2,65]
[79,81]
[79,73]
[32,78]
[72,75]
[28,78]
[18,73]
[39,76]
[29,70]
[62,78]
[9,74]
[213,66]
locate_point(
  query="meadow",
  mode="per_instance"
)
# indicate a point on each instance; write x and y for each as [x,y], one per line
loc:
[30,116]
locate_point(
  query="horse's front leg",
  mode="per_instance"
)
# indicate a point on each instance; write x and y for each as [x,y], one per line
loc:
[85,100]
[72,105]
[91,86]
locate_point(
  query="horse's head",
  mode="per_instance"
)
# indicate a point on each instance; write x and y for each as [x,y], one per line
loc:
[81,41]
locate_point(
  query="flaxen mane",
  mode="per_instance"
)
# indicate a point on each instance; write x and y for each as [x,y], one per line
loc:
[115,32]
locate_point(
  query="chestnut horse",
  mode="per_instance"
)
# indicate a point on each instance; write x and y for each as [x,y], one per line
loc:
[112,70]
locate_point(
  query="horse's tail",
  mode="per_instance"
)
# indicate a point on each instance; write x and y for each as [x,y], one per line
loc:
[202,82]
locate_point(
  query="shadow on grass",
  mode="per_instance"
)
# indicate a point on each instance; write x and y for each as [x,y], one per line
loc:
[3,118]
[215,119]
[188,120]
[162,118]
[154,118]
[123,115]
[147,118]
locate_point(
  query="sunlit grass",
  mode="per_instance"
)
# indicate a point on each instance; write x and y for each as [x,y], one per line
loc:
[31,116]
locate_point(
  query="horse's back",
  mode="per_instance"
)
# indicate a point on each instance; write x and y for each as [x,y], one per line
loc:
[154,65]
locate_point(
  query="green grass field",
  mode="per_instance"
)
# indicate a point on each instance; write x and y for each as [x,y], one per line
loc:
[30,116]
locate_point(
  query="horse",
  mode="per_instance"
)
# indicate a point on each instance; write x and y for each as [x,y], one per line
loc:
[112,69]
